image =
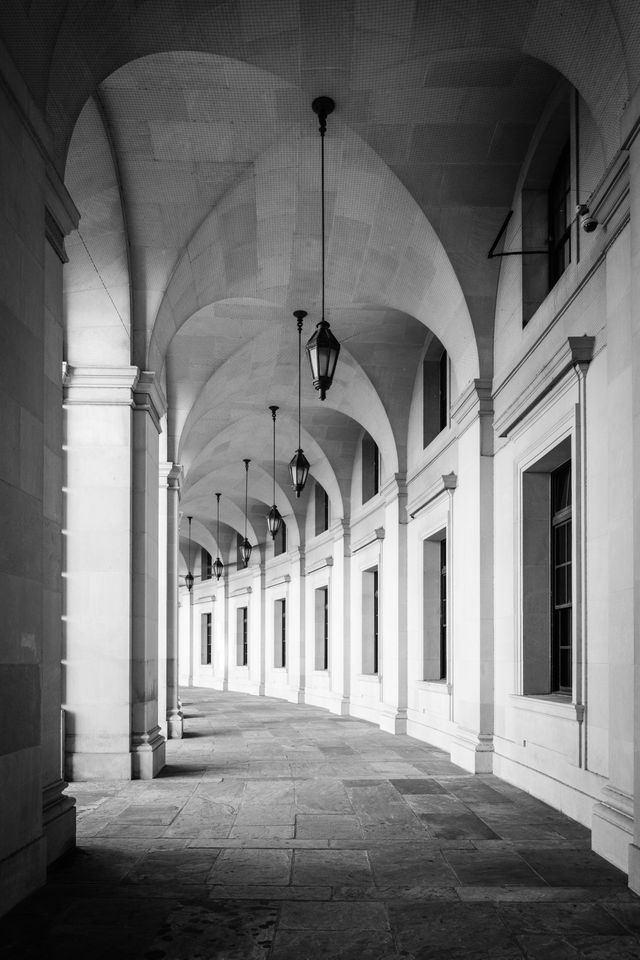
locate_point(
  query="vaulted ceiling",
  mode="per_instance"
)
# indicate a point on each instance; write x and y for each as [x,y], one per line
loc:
[188,143]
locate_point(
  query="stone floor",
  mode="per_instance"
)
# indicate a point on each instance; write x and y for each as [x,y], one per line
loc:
[281,832]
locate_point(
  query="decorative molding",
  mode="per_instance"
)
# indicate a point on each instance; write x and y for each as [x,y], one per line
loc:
[241,591]
[285,578]
[320,565]
[371,537]
[394,487]
[149,398]
[339,529]
[575,353]
[55,235]
[448,481]
[475,400]
[103,386]
[173,475]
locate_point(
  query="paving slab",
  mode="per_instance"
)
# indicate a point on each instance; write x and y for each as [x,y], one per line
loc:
[280,831]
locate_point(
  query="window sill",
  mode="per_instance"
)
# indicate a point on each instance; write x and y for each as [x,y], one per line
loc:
[369,677]
[440,687]
[549,705]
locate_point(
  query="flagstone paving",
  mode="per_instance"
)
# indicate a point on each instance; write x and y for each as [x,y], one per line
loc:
[281,832]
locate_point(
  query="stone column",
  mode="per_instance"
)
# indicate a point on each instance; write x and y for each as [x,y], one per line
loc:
[393,607]
[296,653]
[339,616]
[174,713]
[111,421]
[147,742]
[472,562]
[97,672]
[257,639]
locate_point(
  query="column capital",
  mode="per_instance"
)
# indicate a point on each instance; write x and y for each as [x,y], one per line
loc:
[475,400]
[171,475]
[395,486]
[104,386]
[340,529]
[149,397]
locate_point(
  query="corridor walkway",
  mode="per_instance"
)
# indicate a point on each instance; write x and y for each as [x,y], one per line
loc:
[281,832]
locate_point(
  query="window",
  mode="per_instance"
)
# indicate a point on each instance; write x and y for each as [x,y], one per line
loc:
[280,541]
[370,468]
[280,633]
[435,392]
[242,649]
[370,618]
[205,564]
[547,593]
[205,638]
[434,600]
[561,593]
[322,628]
[559,219]
[322,509]
[546,212]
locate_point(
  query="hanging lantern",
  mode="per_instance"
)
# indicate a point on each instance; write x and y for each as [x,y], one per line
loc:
[299,465]
[245,546]
[218,565]
[323,348]
[273,517]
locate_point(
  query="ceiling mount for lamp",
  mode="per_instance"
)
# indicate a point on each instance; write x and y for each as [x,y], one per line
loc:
[323,348]
[245,546]
[299,465]
[218,565]
[274,519]
[189,577]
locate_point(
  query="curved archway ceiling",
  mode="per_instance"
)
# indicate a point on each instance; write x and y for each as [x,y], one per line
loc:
[206,146]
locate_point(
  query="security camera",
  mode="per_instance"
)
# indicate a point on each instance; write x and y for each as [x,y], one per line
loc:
[587,222]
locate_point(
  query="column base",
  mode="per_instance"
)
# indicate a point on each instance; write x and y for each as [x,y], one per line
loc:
[58,820]
[612,827]
[21,873]
[392,721]
[98,766]
[175,725]
[147,754]
[472,751]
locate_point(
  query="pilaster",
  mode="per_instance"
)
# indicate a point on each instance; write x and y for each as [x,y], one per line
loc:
[393,606]
[147,742]
[471,556]
[634,166]
[174,718]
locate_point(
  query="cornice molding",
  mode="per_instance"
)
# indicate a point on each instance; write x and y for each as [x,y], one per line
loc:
[445,483]
[283,578]
[320,565]
[576,353]
[149,398]
[103,386]
[241,591]
[369,538]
